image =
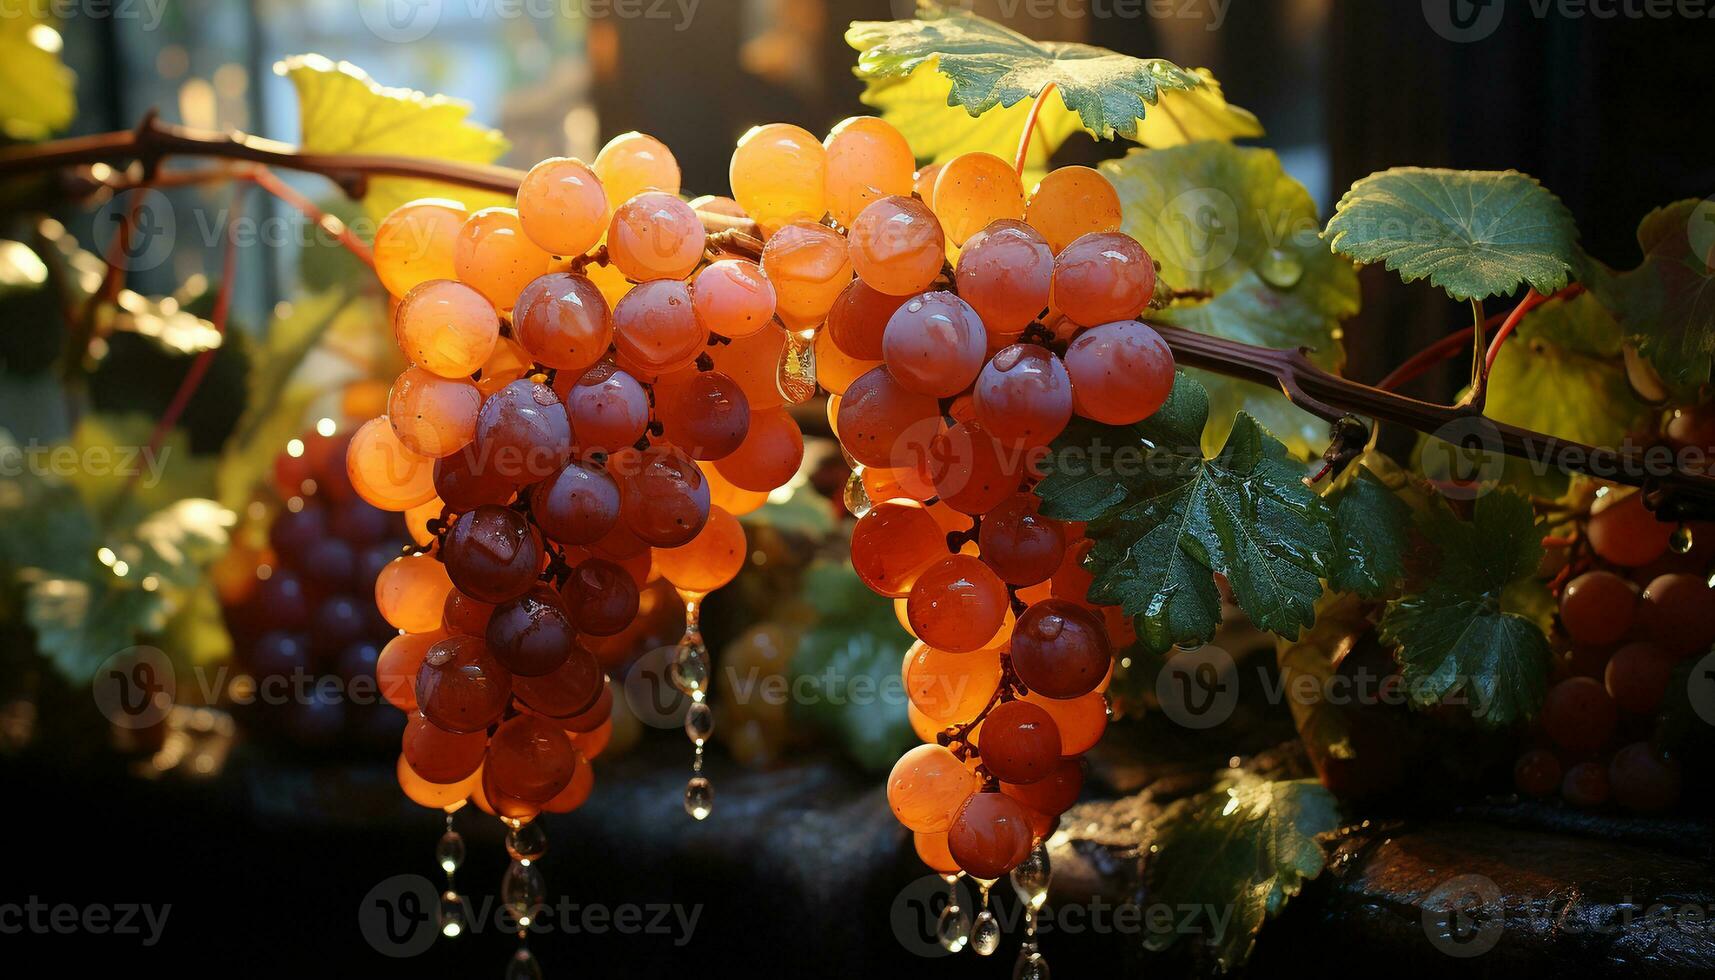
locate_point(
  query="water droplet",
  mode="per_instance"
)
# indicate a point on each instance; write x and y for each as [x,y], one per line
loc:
[1030,965]
[699,723]
[449,851]
[527,842]
[1030,879]
[690,669]
[953,929]
[1049,626]
[985,936]
[857,495]
[523,966]
[452,918]
[796,374]
[699,798]
[521,891]
[1682,541]
[1280,269]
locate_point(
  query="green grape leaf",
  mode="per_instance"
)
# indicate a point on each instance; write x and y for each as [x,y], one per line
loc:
[990,66]
[81,623]
[1247,847]
[847,667]
[38,93]
[1564,374]
[1469,634]
[921,107]
[342,110]
[1180,517]
[1472,233]
[1667,304]
[1372,533]
[1230,221]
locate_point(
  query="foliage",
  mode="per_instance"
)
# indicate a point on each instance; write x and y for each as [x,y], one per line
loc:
[1667,304]
[848,666]
[37,91]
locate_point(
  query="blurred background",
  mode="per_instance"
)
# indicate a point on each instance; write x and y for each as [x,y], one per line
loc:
[264,836]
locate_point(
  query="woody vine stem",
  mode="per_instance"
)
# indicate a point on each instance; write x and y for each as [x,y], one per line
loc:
[1675,492]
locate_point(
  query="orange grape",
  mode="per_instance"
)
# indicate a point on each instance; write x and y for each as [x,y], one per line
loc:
[835,369]
[731,498]
[733,298]
[1006,273]
[1021,545]
[414,243]
[1080,720]
[509,362]
[779,174]
[858,320]
[417,520]
[974,190]
[411,593]
[957,604]
[461,687]
[1103,277]
[431,415]
[656,329]
[927,787]
[1020,743]
[867,160]
[1623,531]
[715,204]
[897,246]
[562,206]
[655,236]
[932,851]
[576,791]
[934,344]
[562,319]
[441,756]
[886,424]
[1024,395]
[753,361]
[709,560]
[951,688]
[446,327]
[770,454]
[893,544]
[495,256]
[1121,372]
[972,471]
[632,163]
[396,668]
[707,415]
[990,835]
[923,184]
[1072,202]
[809,264]
[384,472]
[436,796]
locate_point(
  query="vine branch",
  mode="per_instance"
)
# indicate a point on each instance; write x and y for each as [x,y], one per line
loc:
[1677,491]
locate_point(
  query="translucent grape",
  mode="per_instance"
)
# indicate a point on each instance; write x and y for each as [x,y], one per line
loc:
[463,614]
[562,319]
[1579,715]
[433,416]
[384,472]
[957,604]
[1072,202]
[858,320]
[753,361]
[411,592]
[893,544]
[809,265]
[932,851]
[835,369]
[446,327]
[950,688]
[1537,773]
[923,185]
[656,328]
[523,432]
[1121,372]
[1623,531]
[632,163]
[709,560]
[1597,608]
[1055,793]
[1060,649]
[397,666]
[1637,676]
[492,553]
[562,206]
[779,174]
[990,836]
[570,689]
[1081,720]
[1024,394]
[601,597]
[708,416]
[1678,613]
[414,243]
[494,256]
[927,787]
[609,409]
[733,298]
[770,454]
[529,759]
[972,191]
[665,498]
[867,160]
[730,497]
[885,424]
[1006,273]
[436,796]
[1020,743]
[577,506]
[972,472]
[1103,277]
[509,362]
[897,247]
[466,479]
[440,756]
[655,236]
[461,688]
[532,634]
[934,344]
[1021,545]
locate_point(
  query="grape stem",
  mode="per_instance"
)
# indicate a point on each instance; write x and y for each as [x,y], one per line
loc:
[1029,133]
[1677,492]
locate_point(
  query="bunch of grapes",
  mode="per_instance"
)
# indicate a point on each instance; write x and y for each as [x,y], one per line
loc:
[298,609]
[1636,603]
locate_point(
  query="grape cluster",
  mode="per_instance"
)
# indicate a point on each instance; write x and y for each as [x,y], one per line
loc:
[1636,603]
[298,609]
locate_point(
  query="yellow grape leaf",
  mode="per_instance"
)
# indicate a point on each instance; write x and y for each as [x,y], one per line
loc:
[918,107]
[37,91]
[1196,114]
[343,110]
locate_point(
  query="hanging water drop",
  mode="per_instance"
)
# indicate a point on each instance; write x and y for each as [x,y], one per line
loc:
[953,929]
[690,668]
[1030,964]
[857,495]
[699,798]
[453,920]
[523,966]
[527,842]
[449,851]
[796,374]
[522,891]
[1031,878]
[1280,268]
[985,935]
[699,723]
[1682,541]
